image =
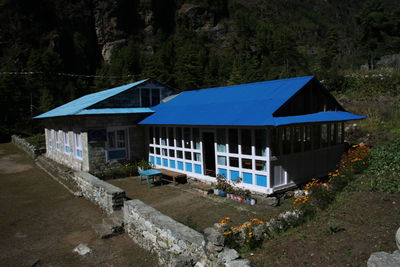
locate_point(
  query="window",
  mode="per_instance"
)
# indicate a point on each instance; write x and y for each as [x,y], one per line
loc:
[178,132]
[67,148]
[145,97]
[179,154]
[333,134]
[307,138]
[233,141]
[151,135]
[58,139]
[261,142]
[197,157]
[221,140]
[116,144]
[158,151]
[221,160]
[50,138]
[246,141]
[155,97]
[261,165]
[196,138]
[78,145]
[297,136]
[324,135]
[234,162]
[247,164]
[172,153]
[151,150]
[316,136]
[164,152]
[340,132]
[163,136]
[171,136]
[188,155]
[157,135]
[186,134]
[286,140]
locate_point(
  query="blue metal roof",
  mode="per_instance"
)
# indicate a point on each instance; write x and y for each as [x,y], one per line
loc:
[250,104]
[114,111]
[78,106]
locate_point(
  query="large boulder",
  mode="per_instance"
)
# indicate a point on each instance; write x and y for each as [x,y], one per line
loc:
[384,259]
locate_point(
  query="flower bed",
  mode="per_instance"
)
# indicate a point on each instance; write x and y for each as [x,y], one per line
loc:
[225,188]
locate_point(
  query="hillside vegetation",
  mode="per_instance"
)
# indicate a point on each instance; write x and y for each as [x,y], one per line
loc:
[186,44]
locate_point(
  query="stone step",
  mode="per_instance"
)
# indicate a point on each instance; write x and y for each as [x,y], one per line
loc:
[110,226]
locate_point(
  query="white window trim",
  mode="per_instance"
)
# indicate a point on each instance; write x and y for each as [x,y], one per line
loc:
[66,142]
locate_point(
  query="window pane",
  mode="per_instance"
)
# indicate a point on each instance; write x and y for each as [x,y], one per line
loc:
[247,164]
[246,141]
[120,138]
[333,136]
[158,151]
[171,136]
[155,97]
[196,138]
[145,97]
[297,132]
[172,153]
[179,154]
[157,135]
[163,136]
[221,160]
[151,135]
[324,135]
[275,141]
[188,155]
[286,140]
[111,140]
[261,165]
[307,138]
[339,132]
[186,132]
[221,140]
[234,162]
[316,136]
[164,152]
[151,150]
[233,141]
[178,132]
[261,142]
[197,157]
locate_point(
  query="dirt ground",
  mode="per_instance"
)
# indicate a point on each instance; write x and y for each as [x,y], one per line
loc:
[41,222]
[191,207]
[365,222]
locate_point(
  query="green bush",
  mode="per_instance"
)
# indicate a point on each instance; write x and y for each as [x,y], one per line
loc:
[384,169]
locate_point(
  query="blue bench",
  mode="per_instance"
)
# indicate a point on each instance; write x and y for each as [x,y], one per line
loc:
[150,176]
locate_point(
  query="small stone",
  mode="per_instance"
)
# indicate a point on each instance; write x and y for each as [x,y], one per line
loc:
[82,249]
[228,255]
[272,201]
[238,263]
[21,235]
[213,236]
[398,238]
[383,259]
[78,194]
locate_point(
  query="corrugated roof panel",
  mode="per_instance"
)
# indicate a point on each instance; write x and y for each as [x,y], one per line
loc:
[75,106]
[328,116]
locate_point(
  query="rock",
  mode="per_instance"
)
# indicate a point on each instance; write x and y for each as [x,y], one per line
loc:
[398,238]
[78,194]
[272,201]
[238,263]
[107,49]
[183,261]
[389,61]
[82,249]
[228,255]
[213,236]
[383,259]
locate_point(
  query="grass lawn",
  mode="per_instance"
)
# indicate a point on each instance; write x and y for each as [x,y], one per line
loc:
[365,222]
[191,207]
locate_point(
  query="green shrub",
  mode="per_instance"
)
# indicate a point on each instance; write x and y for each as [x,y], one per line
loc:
[384,169]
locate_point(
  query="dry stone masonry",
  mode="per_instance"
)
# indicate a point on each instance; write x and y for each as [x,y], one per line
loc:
[31,150]
[109,197]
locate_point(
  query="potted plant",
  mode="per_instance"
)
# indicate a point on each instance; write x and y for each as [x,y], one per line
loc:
[221,186]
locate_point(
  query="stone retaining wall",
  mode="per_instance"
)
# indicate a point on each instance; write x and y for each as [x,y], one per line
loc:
[24,145]
[170,240]
[109,197]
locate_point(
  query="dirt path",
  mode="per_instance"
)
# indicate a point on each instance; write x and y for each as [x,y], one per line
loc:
[42,222]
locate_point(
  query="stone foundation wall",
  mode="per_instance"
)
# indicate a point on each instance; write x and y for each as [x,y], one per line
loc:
[109,197]
[32,151]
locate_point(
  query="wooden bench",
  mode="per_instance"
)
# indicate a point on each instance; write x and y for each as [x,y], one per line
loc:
[172,174]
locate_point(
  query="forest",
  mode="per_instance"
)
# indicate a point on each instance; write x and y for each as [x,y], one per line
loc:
[52,52]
